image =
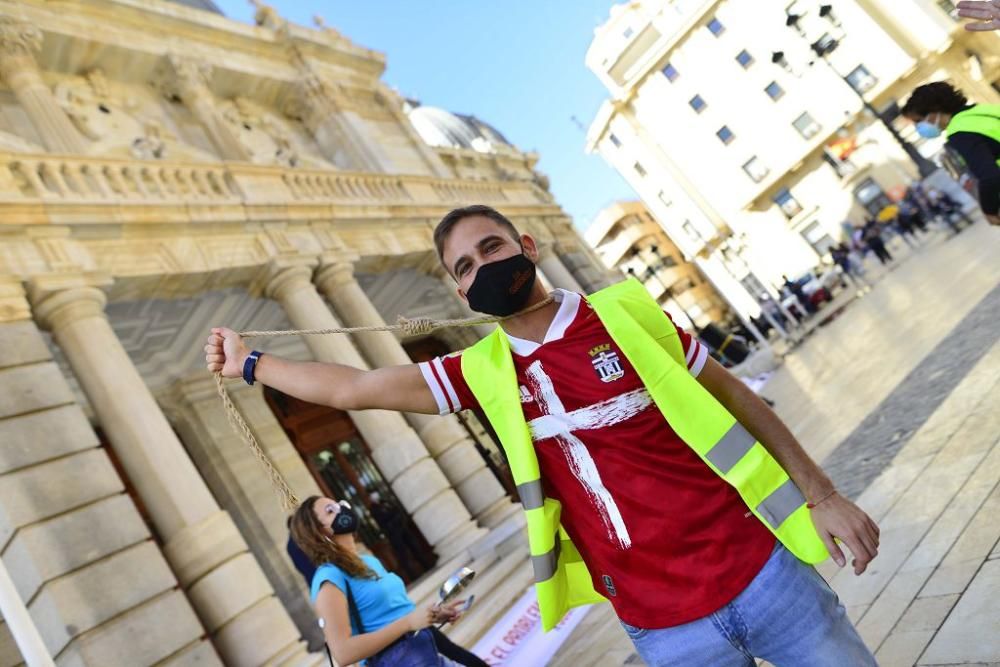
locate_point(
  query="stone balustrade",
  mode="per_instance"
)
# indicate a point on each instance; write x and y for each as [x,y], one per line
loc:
[97,179]
[58,179]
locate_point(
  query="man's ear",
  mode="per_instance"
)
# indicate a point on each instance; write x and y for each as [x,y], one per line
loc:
[530,247]
[461,295]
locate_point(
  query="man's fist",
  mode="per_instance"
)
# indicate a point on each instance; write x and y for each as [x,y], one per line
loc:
[225,352]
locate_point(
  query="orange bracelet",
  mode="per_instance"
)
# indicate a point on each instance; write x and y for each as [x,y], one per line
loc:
[813,505]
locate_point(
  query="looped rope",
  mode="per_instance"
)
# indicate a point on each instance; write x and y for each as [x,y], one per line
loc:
[417,326]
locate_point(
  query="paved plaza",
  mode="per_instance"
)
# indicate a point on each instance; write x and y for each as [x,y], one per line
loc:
[899,398]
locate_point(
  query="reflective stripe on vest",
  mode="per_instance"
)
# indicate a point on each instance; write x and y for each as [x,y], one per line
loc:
[650,342]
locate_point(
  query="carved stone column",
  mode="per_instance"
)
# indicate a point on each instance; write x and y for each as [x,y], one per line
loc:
[556,271]
[482,330]
[206,552]
[400,455]
[18,42]
[446,439]
[240,483]
[188,79]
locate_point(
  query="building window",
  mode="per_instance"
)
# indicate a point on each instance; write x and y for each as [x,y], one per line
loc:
[843,167]
[664,199]
[615,141]
[756,170]
[715,27]
[752,285]
[825,45]
[948,7]
[807,126]
[691,231]
[744,58]
[725,135]
[639,169]
[697,103]
[628,32]
[871,195]
[670,72]
[788,204]
[816,236]
[774,91]
[861,79]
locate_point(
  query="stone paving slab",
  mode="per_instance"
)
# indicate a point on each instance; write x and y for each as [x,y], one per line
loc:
[972,631]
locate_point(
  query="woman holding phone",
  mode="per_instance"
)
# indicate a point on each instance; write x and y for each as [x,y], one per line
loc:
[364,610]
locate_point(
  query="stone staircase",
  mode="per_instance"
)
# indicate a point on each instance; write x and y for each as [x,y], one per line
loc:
[503,573]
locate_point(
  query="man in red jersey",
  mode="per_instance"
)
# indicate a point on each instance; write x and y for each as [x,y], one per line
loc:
[693,575]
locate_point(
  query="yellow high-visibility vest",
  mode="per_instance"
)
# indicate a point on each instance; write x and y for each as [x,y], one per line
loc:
[650,342]
[981,119]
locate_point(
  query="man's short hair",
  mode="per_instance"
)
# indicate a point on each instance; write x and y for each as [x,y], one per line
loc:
[448,222]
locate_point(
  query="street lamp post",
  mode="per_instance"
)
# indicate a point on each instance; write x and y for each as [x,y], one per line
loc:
[822,49]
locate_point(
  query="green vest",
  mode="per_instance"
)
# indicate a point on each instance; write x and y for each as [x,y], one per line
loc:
[982,119]
[650,342]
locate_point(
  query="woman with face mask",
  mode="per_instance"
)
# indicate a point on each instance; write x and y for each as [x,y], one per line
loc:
[363,609]
[972,131]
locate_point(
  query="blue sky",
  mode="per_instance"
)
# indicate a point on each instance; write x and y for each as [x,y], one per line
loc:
[516,64]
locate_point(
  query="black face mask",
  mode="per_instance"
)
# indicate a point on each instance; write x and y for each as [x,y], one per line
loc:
[502,288]
[346,521]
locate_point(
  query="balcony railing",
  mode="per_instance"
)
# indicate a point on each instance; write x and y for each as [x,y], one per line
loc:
[57,179]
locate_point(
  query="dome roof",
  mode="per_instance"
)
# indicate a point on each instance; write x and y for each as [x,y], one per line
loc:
[438,127]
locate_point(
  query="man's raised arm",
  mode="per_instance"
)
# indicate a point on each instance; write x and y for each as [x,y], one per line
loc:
[400,388]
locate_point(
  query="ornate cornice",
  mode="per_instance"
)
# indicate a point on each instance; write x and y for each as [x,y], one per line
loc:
[19,38]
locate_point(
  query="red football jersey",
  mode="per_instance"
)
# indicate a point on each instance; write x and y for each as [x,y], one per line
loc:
[665,539]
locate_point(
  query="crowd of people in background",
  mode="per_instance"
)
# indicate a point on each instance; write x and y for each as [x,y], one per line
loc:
[920,211]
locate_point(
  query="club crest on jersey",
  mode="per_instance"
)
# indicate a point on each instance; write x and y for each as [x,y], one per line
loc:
[606,362]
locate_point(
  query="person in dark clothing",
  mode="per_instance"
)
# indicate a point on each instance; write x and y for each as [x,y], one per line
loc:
[910,213]
[973,132]
[800,295]
[841,255]
[872,236]
[409,552]
[445,646]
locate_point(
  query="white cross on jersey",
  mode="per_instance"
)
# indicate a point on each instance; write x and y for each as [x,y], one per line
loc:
[556,423]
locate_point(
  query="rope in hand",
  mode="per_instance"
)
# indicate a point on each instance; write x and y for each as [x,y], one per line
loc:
[410,327]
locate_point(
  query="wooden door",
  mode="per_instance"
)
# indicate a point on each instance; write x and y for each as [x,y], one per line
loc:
[341,463]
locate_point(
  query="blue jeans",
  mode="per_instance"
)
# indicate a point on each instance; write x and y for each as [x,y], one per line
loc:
[413,650]
[787,615]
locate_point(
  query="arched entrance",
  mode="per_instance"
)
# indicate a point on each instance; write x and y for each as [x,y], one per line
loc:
[341,463]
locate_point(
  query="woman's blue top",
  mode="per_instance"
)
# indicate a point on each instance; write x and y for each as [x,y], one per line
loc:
[379,601]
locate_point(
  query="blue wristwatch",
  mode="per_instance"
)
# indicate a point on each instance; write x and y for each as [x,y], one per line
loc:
[250,365]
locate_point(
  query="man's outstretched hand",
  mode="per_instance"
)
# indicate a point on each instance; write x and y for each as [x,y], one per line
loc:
[837,517]
[225,352]
[986,12]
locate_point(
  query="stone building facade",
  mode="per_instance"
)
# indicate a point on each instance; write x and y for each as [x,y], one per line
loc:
[163,170]
[629,239]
